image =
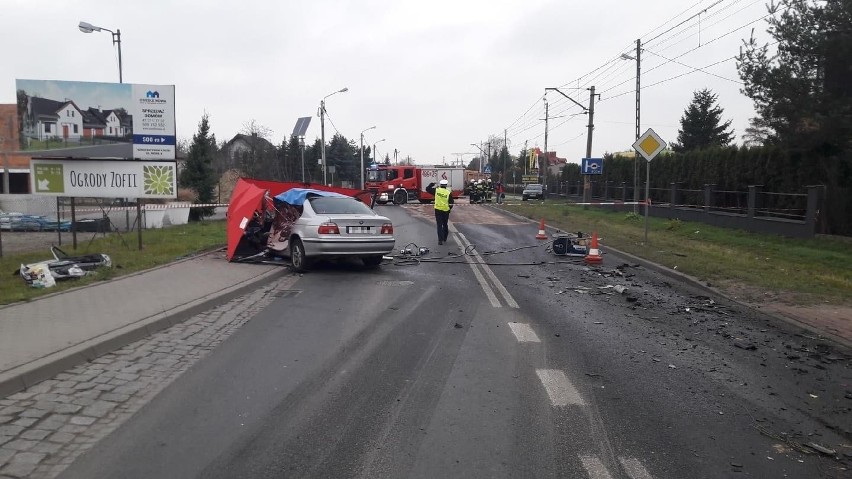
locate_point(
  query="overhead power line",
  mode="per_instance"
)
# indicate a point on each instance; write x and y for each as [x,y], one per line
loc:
[693,68]
[681,23]
[607,76]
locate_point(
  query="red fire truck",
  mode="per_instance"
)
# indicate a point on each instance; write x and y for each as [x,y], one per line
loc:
[404,183]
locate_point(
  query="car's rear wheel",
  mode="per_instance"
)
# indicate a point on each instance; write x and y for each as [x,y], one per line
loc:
[372,261]
[298,259]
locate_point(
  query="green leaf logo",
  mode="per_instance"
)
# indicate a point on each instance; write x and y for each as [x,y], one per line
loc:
[159,180]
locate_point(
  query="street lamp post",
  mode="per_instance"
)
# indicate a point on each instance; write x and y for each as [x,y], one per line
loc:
[302,144]
[87,27]
[362,156]
[375,155]
[116,40]
[322,132]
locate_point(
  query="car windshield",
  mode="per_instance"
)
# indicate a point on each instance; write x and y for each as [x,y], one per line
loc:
[326,205]
[533,187]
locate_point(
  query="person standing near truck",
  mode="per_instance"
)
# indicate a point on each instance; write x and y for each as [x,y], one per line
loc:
[443,205]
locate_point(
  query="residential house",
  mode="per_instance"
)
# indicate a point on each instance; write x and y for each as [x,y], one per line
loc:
[50,119]
[242,146]
[554,163]
[108,123]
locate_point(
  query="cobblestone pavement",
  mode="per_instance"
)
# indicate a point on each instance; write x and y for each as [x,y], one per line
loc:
[45,428]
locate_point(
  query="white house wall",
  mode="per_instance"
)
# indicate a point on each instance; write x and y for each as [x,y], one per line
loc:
[72,118]
[113,125]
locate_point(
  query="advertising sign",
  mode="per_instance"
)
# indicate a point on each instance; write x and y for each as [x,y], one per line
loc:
[103,178]
[96,120]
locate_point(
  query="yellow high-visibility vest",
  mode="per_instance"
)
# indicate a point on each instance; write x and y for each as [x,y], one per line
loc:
[442,199]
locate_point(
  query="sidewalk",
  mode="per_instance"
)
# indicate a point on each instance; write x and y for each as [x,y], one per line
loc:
[43,337]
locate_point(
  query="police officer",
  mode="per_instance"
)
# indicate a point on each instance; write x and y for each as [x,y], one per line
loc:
[443,205]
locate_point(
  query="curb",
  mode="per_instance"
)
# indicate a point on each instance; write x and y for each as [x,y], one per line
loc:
[25,376]
[697,283]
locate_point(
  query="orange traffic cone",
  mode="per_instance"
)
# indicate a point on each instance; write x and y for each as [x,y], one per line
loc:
[541,233]
[594,254]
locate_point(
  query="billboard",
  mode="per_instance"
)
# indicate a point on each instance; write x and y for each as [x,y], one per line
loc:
[96,120]
[103,178]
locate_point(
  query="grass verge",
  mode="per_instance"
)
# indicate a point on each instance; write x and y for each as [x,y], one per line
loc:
[159,246]
[755,266]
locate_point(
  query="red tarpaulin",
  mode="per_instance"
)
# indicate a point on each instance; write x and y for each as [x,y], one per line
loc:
[245,200]
[248,197]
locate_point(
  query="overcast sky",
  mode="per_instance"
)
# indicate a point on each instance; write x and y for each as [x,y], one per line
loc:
[432,76]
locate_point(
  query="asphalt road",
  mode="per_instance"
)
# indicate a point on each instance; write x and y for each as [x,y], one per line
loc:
[530,367]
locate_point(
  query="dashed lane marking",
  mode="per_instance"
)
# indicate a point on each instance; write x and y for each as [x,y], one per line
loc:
[524,333]
[559,388]
[595,468]
[634,468]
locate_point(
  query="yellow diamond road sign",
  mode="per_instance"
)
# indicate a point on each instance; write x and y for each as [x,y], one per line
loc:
[649,144]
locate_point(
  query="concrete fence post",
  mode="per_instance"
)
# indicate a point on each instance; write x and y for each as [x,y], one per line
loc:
[623,191]
[674,194]
[754,192]
[816,194]
[708,196]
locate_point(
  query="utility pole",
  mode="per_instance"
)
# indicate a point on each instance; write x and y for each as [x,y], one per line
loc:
[506,146]
[489,150]
[541,161]
[636,154]
[322,147]
[587,182]
[585,110]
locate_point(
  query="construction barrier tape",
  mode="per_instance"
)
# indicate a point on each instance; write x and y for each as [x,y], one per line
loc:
[108,209]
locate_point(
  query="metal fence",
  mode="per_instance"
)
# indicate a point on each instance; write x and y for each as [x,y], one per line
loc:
[789,214]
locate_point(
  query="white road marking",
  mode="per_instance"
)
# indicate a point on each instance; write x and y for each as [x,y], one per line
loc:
[559,388]
[634,468]
[479,278]
[462,240]
[524,333]
[595,467]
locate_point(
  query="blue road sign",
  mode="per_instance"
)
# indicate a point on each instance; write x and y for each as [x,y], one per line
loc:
[487,170]
[591,166]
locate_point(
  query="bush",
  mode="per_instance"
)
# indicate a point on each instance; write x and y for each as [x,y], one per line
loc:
[674,224]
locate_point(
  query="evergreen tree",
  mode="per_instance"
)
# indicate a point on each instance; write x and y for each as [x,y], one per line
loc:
[802,91]
[198,171]
[293,158]
[340,153]
[701,124]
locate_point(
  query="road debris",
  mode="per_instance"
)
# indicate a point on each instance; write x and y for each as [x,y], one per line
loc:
[743,344]
[821,449]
